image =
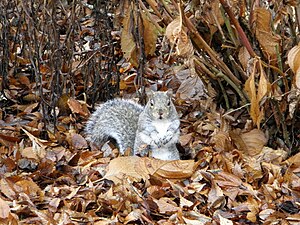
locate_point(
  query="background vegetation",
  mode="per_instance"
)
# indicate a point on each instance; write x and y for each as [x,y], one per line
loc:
[234,66]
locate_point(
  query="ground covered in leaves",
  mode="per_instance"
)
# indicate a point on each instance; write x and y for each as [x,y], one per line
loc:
[235,71]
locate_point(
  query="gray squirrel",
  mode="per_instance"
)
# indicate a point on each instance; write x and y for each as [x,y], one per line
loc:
[150,130]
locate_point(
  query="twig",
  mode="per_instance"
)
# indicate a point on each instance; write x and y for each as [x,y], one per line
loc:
[230,31]
[201,44]
[297,9]
[235,87]
[238,27]
[224,95]
[167,8]
[283,125]
[237,109]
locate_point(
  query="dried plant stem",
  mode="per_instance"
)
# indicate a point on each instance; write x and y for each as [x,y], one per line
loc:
[168,10]
[224,95]
[203,67]
[238,27]
[235,87]
[297,9]
[283,125]
[230,31]
[201,44]
[156,11]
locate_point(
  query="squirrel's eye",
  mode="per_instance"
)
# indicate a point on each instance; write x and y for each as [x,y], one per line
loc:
[151,103]
[169,103]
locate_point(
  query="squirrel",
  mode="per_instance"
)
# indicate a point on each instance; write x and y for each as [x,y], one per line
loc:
[150,130]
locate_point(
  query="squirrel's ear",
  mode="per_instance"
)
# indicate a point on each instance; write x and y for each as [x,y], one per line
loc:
[170,92]
[149,93]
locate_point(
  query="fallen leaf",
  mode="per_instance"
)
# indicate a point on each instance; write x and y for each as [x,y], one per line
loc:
[78,107]
[141,168]
[224,221]
[4,209]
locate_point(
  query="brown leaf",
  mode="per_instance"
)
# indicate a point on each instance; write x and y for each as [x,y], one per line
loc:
[294,63]
[6,188]
[166,206]
[126,166]
[9,138]
[63,106]
[244,57]
[141,168]
[150,35]
[185,139]
[263,31]
[254,141]
[38,149]
[30,188]
[224,221]
[215,196]
[251,91]
[133,216]
[178,169]
[4,209]
[212,16]
[127,40]
[178,37]
[191,87]
[256,96]
[78,107]
[76,141]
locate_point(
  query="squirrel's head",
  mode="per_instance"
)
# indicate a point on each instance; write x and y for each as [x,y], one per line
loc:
[160,104]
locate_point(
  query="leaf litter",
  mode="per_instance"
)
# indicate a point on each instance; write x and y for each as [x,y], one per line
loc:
[241,167]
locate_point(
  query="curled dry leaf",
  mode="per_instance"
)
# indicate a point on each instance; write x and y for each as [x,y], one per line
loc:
[177,169]
[263,31]
[294,63]
[244,57]
[212,16]
[256,96]
[185,139]
[196,218]
[38,149]
[179,38]
[78,107]
[191,87]
[141,168]
[184,202]
[222,141]
[250,143]
[126,166]
[30,188]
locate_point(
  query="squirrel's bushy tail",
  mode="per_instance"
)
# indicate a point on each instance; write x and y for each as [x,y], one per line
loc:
[115,119]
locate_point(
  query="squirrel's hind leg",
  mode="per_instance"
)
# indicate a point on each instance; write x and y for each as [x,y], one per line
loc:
[122,143]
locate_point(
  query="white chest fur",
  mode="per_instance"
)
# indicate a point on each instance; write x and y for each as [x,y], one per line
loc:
[161,127]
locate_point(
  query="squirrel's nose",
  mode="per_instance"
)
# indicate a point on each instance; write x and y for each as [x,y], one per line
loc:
[160,112]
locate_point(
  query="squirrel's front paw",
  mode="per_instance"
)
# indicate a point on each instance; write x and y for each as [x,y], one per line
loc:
[167,139]
[158,143]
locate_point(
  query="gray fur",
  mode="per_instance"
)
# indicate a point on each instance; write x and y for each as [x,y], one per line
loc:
[117,119]
[158,128]
[153,129]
